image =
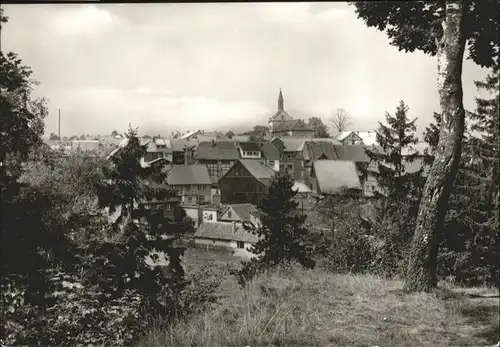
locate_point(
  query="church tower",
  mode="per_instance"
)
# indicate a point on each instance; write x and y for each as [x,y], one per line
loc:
[280,116]
[281,102]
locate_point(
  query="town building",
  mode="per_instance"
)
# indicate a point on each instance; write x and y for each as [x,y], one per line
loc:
[249,150]
[217,156]
[183,151]
[229,235]
[270,155]
[246,182]
[238,213]
[365,138]
[192,183]
[282,124]
[330,177]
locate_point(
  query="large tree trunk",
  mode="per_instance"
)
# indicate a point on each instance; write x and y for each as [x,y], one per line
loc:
[421,271]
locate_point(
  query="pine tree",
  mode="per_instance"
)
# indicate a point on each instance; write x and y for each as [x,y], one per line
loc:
[400,189]
[282,235]
[394,138]
[128,184]
[469,250]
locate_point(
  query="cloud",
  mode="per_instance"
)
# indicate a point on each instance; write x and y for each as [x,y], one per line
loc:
[301,15]
[83,20]
[216,65]
[152,111]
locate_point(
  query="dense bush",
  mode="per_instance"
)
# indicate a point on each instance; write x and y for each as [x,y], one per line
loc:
[75,279]
[350,250]
[393,226]
[282,235]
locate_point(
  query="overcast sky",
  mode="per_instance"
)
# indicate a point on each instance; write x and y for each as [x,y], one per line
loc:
[165,67]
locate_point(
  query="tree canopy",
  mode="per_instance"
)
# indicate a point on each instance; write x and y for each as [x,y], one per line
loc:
[417,25]
[320,129]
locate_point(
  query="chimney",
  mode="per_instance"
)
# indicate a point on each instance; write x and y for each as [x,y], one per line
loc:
[213,143]
[216,200]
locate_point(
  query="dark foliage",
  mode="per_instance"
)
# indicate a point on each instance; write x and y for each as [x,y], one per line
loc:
[416,25]
[348,249]
[320,129]
[69,277]
[282,235]
[396,207]
[469,250]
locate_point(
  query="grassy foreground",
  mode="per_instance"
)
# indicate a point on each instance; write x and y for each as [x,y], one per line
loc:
[314,308]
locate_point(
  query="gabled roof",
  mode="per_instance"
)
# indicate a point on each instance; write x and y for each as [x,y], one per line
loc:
[261,172]
[269,151]
[324,139]
[163,142]
[293,144]
[249,146]
[368,137]
[180,144]
[189,134]
[225,231]
[319,150]
[243,211]
[293,124]
[334,175]
[355,153]
[280,116]
[188,175]
[224,150]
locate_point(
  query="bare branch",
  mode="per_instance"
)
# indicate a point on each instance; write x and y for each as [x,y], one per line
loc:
[340,120]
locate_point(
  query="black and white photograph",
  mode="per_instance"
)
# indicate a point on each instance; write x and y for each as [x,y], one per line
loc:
[281,174]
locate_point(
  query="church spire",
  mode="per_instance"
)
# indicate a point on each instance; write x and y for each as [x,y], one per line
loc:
[280,102]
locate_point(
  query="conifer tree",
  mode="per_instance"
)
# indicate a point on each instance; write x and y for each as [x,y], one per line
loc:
[129,182]
[282,234]
[400,189]
[469,250]
[395,138]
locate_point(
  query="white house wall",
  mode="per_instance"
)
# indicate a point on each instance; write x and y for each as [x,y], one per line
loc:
[209,216]
[241,252]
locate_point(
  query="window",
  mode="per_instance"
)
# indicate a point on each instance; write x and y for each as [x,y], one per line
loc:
[229,214]
[240,244]
[225,167]
[282,166]
[188,188]
[212,169]
[190,199]
[271,162]
[289,167]
[167,207]
[289,156]
[201,199]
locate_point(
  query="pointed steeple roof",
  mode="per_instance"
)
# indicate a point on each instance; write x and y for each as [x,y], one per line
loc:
[281,102]
[281,115]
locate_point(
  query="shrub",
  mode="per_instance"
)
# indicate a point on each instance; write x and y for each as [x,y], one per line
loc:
[350,250]
[393,227]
